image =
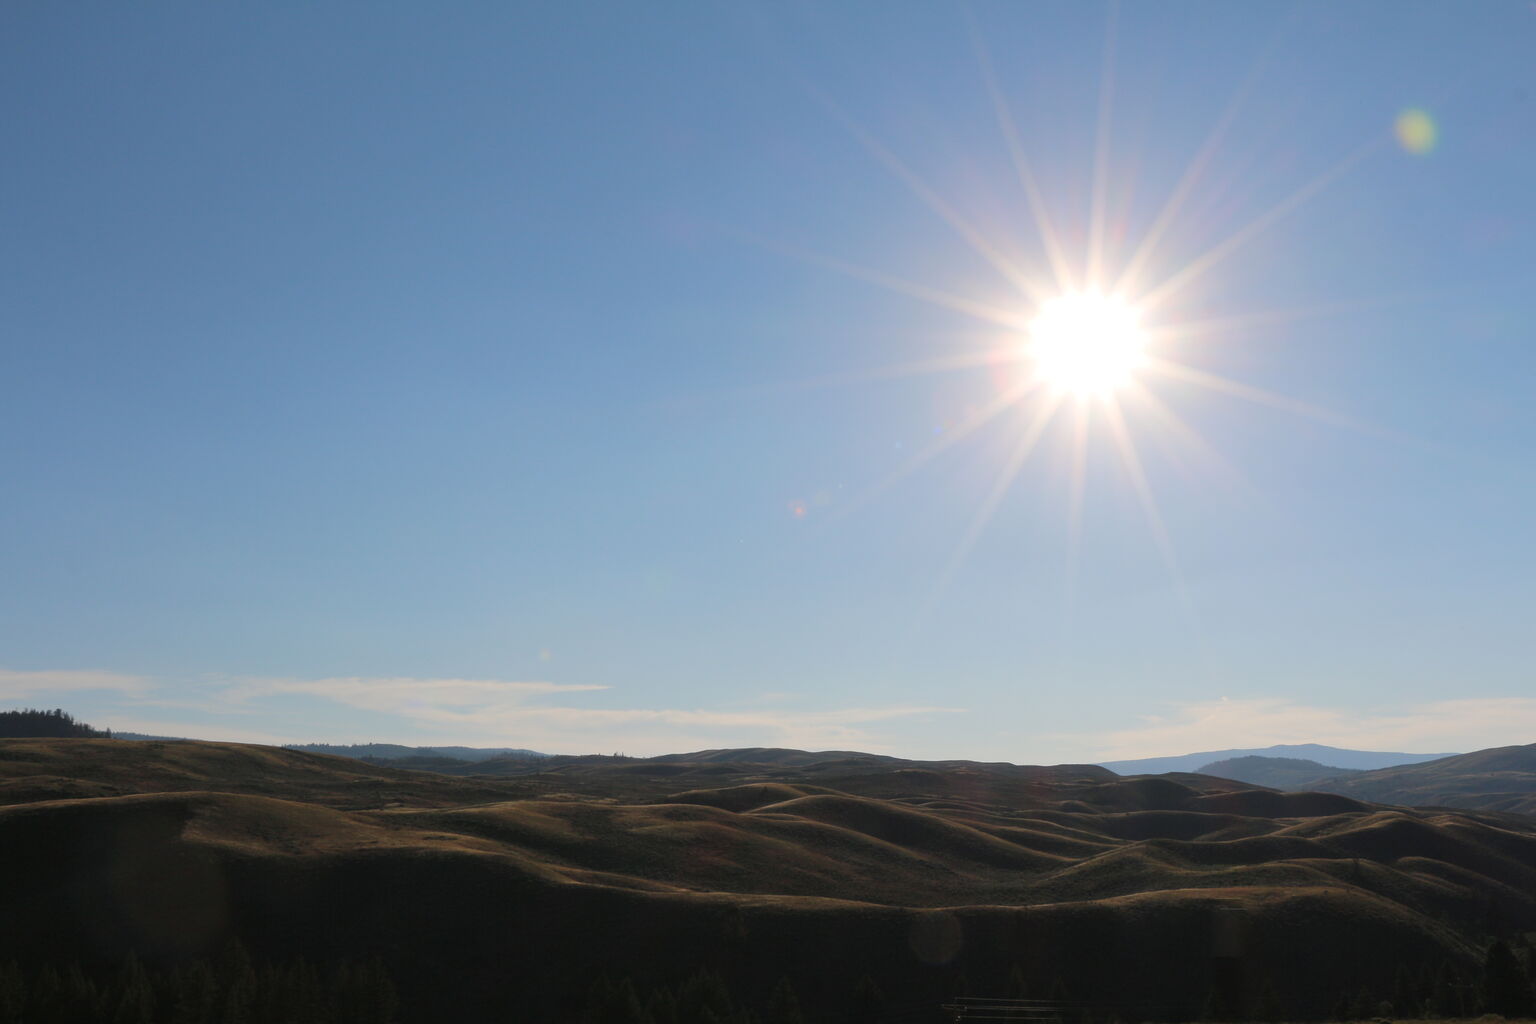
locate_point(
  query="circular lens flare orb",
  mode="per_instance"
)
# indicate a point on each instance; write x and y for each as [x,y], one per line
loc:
[1086,344]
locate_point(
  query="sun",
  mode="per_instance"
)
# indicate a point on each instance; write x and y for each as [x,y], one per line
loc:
[1086,344]
[1094,318]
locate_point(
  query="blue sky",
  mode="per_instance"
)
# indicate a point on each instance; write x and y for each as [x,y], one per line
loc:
[520,375]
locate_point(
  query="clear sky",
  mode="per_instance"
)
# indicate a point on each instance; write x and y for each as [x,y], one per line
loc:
[637,377]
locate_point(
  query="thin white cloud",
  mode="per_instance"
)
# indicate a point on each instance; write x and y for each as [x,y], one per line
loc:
[508,713]
[402,695]
[16,685]
[1470,723]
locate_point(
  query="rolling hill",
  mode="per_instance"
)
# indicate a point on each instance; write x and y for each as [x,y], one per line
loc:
[494,898]
[1498,779]
[1275,772]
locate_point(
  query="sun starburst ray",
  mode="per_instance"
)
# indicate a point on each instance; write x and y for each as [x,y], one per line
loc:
[1190,330]
[1099,202]
[1077,486]
[969,233]
[1082,345]
[1259,396]
[920,367]
[995,315]
[1198,266]
[1028,440]
[1148,501]
[1192,175]
[978,419]
[1061,267]
[1190,438]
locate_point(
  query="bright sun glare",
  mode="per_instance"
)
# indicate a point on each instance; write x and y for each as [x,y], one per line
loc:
[1086,344]
[1088,361]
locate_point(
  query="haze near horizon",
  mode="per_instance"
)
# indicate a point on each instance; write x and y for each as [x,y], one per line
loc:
[1049,383]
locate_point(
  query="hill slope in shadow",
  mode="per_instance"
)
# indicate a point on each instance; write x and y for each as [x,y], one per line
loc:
[493,898]
[1497,779]
[1275,772]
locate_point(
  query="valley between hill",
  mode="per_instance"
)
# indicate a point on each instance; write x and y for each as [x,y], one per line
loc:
[505,898]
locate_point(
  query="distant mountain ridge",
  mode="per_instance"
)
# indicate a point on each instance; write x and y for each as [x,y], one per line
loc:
[1329,757]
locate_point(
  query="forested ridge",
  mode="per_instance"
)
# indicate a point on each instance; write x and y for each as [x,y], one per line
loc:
[33,724]
[234,989]
[230,989]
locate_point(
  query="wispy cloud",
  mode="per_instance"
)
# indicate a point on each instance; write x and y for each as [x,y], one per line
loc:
[405,695]
[515,713]
[538,714]
[1469,723]
[16,685]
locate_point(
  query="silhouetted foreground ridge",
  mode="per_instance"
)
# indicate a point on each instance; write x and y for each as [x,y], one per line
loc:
[844,888]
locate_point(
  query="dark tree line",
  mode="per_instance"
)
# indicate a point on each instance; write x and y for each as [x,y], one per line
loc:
[230,990]
[32,724]
[1506,986]
[703,998]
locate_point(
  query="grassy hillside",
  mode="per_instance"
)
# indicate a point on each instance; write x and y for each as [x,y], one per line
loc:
[1498,779]
[1275,772]
[490,899]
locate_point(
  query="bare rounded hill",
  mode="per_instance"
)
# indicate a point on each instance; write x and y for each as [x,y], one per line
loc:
[909,873]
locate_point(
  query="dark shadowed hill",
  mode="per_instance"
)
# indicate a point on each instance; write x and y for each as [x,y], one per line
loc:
[32,770]
[1274,772]
[1499,779]
[494,899]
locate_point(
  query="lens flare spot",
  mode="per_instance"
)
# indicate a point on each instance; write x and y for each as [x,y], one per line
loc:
[1416,131]
[1086,344]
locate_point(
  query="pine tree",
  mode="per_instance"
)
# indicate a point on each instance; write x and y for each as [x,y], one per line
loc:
[704,999]
[1267,1008]
[783,1005]
[1405,998]
[662,1006]
[43,997]
[598,998]
[132,999]
[1506,990]
[79,996]
[196,994]
[373,998]
[868,1004]
[13,992]
[1068,1012]
[610,1002]
[626,1007]
[1363,1006]
[238,1003]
